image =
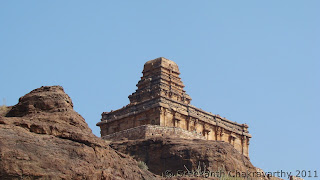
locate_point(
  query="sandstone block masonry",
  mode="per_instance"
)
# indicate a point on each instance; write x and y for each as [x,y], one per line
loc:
[146,131]
[161,100]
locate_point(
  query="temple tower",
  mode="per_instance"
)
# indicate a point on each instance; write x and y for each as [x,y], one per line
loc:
[160,78]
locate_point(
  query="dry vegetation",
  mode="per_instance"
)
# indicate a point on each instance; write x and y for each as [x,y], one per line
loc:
[4,110]
[142,165]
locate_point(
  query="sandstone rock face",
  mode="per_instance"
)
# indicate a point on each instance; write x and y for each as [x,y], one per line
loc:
[161,154]
[44,99]
[42,137]
[174,156]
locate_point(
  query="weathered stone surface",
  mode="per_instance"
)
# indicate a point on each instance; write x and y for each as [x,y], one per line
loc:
[173,154]
[147,131]
[45,99]
[161,100]
[42,137]
[161,154]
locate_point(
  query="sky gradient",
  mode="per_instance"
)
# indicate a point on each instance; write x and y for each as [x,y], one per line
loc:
[254,62]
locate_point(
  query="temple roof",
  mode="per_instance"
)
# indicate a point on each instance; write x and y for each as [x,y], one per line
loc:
[161,62]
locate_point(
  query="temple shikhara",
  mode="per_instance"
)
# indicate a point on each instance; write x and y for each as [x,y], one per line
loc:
[161,107]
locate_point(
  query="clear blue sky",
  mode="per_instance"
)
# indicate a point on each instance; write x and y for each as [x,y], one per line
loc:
[254,62]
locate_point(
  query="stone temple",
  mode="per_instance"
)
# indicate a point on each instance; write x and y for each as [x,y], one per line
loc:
[161,107]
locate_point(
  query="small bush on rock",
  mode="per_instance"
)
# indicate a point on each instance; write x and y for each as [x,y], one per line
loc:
[142,165]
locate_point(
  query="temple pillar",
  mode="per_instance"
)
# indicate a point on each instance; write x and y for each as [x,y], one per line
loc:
[163,114]
[243,140]
[188,123]
[206,133]
[247,146]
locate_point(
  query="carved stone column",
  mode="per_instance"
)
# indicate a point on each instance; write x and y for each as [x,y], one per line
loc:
[188,122]
[163,113]
[191,124]
[221,134]
[248,143]
[218,134]
[206,133]
[243,144]
[232,139]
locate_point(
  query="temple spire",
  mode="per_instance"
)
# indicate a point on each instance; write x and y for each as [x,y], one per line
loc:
[160,79]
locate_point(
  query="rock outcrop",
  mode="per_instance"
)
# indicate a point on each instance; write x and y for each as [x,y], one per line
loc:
[177,157]
[161,154]
[42,137]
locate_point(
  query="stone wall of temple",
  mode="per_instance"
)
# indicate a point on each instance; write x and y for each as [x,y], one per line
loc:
[127,121]
[147,131]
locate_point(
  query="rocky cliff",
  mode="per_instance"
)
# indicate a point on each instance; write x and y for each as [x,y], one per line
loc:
[43,137]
